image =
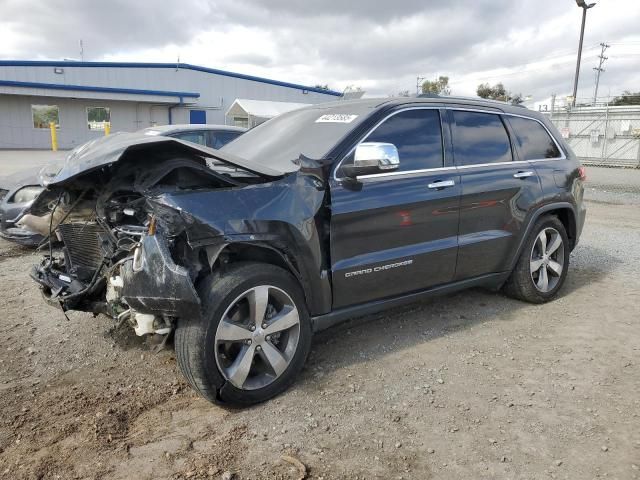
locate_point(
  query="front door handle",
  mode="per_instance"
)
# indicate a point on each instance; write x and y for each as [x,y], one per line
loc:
[442,184]
[523,174]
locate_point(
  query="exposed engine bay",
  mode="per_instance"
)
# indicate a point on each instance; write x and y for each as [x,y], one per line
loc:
[115,245]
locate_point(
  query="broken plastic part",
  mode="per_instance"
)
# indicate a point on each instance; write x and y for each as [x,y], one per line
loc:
[144,324]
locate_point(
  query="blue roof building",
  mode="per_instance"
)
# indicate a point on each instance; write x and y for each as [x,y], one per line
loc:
[82,97]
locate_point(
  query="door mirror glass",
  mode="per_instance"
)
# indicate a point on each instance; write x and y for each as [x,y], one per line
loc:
[373,157]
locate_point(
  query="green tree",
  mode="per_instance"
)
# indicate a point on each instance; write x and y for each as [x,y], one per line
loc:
[498,92]
[440,86]
[627,98]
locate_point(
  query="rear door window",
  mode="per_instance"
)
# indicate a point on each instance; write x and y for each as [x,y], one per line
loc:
[534,141]
[480,138]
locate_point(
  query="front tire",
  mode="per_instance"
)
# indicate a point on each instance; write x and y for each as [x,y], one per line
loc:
[543,264]
[252,339]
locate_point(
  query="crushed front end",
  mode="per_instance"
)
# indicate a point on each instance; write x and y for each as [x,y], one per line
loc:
[124,271]
[113,246]
[117,260]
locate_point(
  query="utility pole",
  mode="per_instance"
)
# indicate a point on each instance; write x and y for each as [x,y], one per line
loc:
[81,51]
[599,69]
[419,81]
[585,7]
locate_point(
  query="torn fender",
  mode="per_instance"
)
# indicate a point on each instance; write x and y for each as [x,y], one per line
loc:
[154,284]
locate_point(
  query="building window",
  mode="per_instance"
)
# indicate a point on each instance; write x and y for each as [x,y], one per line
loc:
[44,114]
[241,122]
[98,117]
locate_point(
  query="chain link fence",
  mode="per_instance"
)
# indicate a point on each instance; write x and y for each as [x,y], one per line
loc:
[601,135]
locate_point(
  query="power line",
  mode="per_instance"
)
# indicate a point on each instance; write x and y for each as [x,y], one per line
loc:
[599,69]
[562,53]
[524,71]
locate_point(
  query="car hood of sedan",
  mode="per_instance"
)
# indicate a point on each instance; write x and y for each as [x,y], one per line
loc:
[28,176]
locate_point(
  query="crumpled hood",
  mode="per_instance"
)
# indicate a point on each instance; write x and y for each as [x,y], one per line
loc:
[108,150]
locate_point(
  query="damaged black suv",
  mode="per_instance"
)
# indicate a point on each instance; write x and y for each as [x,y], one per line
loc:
[318,215]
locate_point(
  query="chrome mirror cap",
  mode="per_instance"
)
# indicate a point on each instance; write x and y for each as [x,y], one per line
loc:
[383,156]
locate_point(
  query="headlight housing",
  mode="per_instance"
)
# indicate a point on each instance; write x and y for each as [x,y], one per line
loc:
[27,194]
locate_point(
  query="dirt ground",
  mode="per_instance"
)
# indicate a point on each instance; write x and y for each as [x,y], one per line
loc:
[469,386]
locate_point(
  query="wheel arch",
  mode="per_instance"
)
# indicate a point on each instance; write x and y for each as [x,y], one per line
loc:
[568,218]
[564,211]
[317,291]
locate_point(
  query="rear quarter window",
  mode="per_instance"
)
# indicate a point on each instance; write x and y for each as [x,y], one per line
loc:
[198,137]
[218,139]
[533,140]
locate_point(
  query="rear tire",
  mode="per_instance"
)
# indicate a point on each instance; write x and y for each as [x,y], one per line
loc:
[252,339]
[543,263]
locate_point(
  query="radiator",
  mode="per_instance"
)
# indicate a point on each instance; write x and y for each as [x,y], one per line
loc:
[86,244]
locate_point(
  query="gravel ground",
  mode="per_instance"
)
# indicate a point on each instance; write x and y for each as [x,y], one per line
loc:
[468,386]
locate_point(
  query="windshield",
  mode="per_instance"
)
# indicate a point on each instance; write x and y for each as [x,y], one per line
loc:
[311,131]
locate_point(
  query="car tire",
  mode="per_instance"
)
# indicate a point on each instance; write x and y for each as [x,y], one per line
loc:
[238,351]
[543,263]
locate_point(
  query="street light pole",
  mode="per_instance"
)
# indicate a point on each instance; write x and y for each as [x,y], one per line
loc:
[585,7]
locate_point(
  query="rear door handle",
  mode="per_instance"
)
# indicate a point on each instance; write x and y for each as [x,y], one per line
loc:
[523,174]
[442,184]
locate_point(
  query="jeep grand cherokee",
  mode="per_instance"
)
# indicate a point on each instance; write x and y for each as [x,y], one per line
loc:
[318,215]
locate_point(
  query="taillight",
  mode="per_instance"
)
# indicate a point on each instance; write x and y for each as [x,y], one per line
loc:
[583,173]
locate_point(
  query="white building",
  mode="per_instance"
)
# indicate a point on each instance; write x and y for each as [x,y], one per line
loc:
[81,97]
[249,113]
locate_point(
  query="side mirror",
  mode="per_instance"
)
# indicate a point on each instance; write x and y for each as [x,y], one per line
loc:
[373,157]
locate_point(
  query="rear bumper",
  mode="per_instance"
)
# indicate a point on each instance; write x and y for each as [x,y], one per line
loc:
[581,217]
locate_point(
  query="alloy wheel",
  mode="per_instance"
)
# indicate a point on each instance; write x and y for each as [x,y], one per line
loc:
[257,337]
[547,260]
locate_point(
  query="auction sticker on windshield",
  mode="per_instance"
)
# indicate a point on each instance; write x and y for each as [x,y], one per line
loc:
[336,118]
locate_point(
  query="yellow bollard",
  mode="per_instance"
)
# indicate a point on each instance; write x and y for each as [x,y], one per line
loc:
[54,136]
[107,128]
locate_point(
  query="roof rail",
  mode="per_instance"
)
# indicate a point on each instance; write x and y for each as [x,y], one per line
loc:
[477,99]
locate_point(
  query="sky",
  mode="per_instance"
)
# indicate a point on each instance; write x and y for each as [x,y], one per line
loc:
[380,46]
